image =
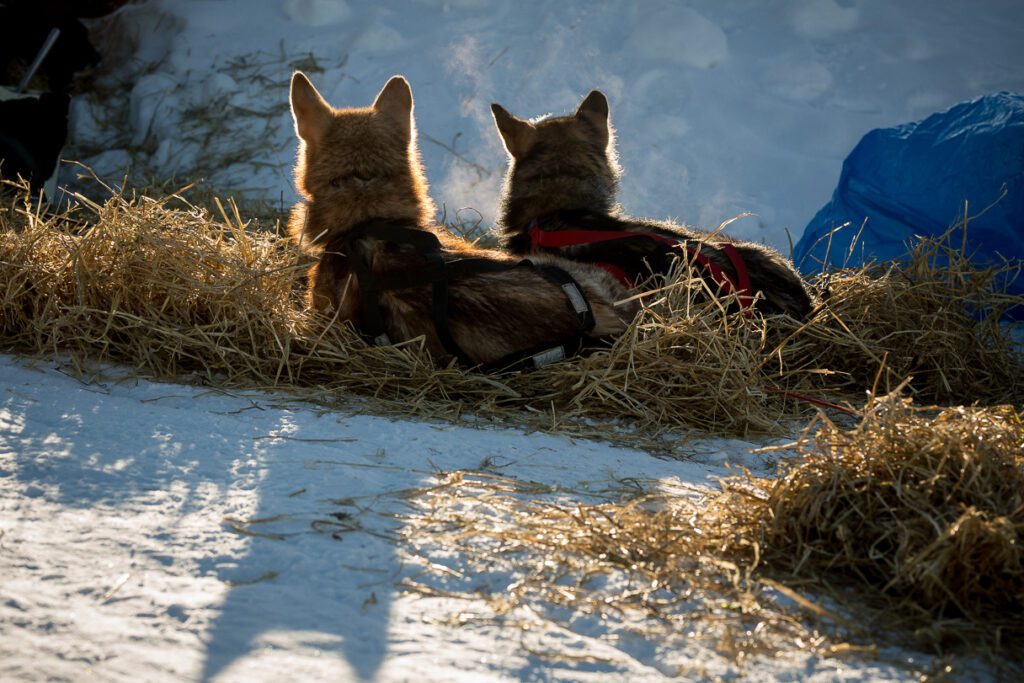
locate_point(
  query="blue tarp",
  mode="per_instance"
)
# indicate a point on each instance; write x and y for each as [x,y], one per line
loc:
[914,179]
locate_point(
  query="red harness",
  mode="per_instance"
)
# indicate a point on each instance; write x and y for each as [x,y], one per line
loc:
[567,238]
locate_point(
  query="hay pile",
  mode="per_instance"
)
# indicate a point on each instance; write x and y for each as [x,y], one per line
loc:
[921,510]
[177,293]
[907,528]
[934,319]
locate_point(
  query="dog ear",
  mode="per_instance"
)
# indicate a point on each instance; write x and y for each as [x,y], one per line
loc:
[310,111]
[594,110]
[394,103]
[518,135]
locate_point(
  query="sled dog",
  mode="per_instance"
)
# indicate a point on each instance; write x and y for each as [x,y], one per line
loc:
[559,197]
[383,266]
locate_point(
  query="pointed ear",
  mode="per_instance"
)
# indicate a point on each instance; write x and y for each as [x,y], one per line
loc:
[310,111]
[394,103]
[594,110]
[517,134]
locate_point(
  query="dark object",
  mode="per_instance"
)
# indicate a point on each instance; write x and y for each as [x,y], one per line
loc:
[914,179]
[24,27]
[51,40]
[42,45]
[32,131]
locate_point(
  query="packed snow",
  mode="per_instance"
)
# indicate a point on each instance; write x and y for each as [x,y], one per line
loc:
[128,546]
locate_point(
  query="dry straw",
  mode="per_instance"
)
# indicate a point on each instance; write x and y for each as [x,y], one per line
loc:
[655,565]
[176,292]
[935,319]
[920,509]
[907,528]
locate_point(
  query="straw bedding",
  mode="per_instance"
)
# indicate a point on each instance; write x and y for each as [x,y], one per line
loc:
[934,319]
[921,509]
[176,292]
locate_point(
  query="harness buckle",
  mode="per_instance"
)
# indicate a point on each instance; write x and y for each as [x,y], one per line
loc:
[576,298]
[548,356]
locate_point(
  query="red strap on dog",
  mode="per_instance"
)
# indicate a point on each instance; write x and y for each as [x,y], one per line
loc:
[617,273]
[567,238]
[743,286]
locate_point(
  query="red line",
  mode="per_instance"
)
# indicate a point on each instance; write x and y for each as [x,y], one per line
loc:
[815,401]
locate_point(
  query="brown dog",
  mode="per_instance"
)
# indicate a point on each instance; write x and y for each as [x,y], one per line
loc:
[381,265]
[559,197]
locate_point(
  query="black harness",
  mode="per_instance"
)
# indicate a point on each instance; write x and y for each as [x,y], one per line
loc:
[438,273]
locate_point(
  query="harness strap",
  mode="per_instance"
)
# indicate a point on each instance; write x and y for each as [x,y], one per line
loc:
[566,238]
[437,273]
[372,321]
[439,310]
[617,273]
[536,358]
[742,274]
[372,284]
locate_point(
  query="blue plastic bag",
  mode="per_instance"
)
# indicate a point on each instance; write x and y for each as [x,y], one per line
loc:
[914,179]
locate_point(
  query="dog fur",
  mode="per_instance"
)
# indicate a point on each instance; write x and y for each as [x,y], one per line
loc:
[564,170]
[361,165]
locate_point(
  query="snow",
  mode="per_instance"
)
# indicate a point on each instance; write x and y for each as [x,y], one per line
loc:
[824,19]
[721,108]
[680,34]
[153,93]
[316,12]
[116,559]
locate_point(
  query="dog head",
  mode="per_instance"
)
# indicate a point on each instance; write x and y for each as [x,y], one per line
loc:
[357,164]
[573,157]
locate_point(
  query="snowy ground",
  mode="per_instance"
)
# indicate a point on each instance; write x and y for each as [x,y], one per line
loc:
[120,561]
[116,559]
